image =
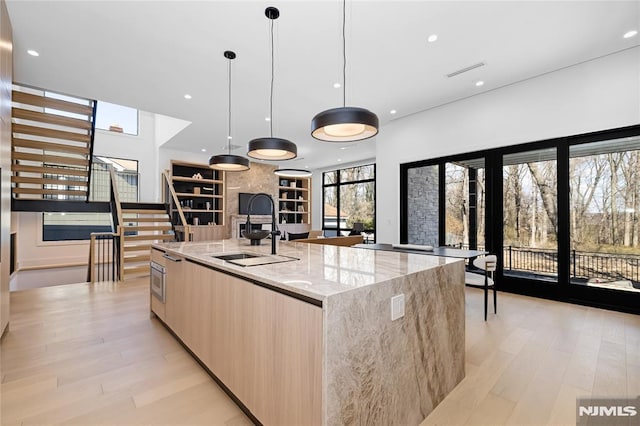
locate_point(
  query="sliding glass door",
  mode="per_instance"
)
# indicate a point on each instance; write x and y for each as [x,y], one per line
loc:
[530,214]
[562,215]
[604,216]
[465,195]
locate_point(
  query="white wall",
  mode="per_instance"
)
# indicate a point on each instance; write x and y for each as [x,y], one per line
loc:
[141,147]
[596,95]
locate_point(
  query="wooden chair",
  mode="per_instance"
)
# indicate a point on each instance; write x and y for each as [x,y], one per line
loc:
[488,265]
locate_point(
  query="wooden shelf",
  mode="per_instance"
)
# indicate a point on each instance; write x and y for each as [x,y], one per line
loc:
[282,188]
[191,195]
[301,193]
[194,180]
[184,185]
[185,211]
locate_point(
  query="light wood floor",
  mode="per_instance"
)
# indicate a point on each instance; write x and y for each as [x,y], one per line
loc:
[86,355]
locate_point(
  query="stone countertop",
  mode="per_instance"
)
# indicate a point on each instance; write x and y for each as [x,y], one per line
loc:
[322,271]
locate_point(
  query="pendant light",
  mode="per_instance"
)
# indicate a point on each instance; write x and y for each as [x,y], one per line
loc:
[229,162]
[292,173]
[344,124]
[270,148]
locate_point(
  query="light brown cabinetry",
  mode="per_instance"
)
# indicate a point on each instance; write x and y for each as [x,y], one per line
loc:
[263,345]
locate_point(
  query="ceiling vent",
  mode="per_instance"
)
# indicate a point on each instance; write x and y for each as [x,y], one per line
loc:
[469,68]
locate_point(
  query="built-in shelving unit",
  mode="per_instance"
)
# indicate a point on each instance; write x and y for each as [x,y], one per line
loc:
[200,191]
[294,200]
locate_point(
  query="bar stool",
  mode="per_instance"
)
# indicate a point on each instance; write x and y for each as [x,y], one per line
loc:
[488,265]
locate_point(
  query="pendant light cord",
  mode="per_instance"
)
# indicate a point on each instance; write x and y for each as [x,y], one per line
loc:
[344,55]
[229,115]
[271,94]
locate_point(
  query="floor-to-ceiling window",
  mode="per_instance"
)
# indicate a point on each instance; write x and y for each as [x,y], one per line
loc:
[562,215]
[604,216]
[465,194]
[349,201]
[530,214]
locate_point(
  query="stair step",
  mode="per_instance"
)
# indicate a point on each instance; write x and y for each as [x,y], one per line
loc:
[49,170]
[137,247]
[159,219]
[142,211]
[61,146]
[50,133]
[43,117]
[40,191]
[137,270]
[142,206]
[43,181]
[128,228]
[46,102]
[138,258]
[51,159]
[150,237]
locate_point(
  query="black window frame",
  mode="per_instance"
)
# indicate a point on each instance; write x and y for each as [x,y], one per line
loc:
[338,184]
[563,290]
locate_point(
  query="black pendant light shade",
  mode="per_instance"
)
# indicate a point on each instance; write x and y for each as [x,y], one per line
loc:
[292,173]
[229,162]
[346,124]
[272,149]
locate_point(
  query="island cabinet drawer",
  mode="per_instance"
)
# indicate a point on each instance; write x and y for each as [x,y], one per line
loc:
[266,347]
[157,256]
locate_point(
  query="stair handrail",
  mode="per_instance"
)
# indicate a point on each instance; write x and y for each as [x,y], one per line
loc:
[118,221]
[93,133]
[176,201]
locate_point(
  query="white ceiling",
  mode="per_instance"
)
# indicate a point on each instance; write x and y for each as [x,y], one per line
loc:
[148,54]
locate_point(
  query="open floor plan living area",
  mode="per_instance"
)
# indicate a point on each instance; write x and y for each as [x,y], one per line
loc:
[319,213]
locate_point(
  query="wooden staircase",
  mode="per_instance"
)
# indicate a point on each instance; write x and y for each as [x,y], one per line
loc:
[52,143]
[143,224]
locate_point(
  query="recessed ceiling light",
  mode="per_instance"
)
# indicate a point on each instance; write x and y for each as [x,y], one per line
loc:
[432,38]
[203,150]
[187,96]
[630,34]
[33,52]
[267,119]
[339,160]
[229,137]
[393,111]
[306,167]
[344,147]
[337,85]
[479,83]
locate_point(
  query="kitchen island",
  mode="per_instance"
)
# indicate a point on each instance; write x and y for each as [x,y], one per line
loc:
[312,341]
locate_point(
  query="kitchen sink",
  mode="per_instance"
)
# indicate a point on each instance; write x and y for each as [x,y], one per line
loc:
[235,256]
[251,259]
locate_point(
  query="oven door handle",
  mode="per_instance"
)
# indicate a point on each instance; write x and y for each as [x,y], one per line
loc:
[171,258]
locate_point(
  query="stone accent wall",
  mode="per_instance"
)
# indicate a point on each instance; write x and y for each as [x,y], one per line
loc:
[422,205]
[259,178]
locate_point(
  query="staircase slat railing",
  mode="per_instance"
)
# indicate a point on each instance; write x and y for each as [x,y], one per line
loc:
[103,257]
[174,201]
[118,222]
